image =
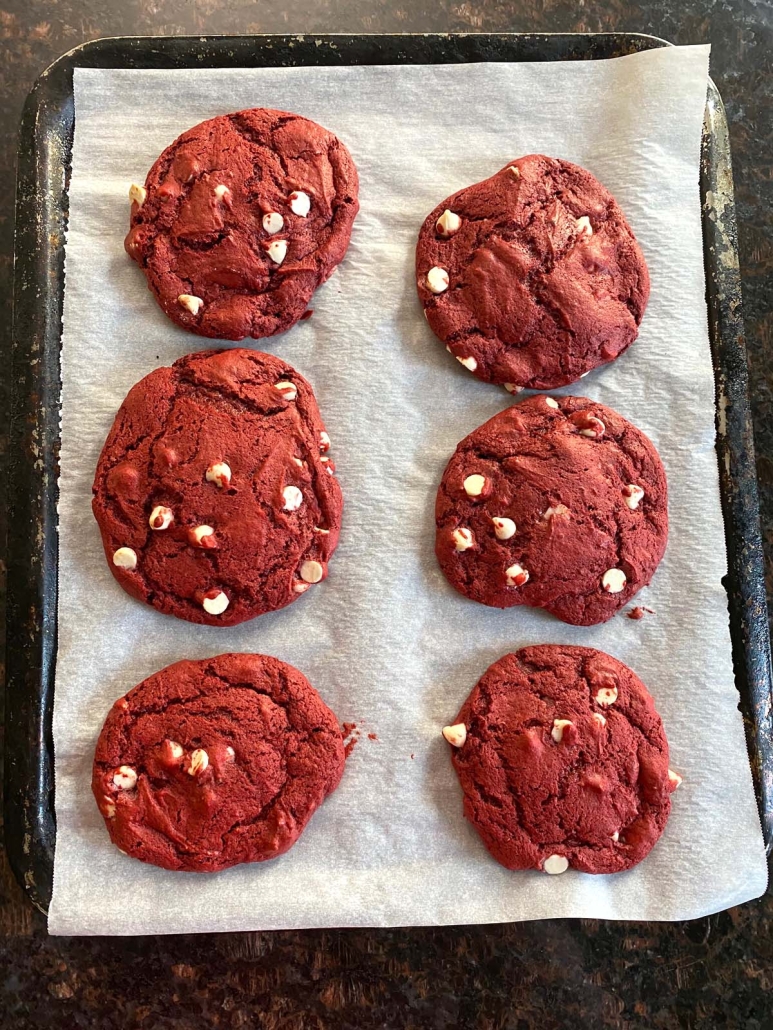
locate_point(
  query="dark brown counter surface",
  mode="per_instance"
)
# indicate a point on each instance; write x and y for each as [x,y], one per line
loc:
[715,972]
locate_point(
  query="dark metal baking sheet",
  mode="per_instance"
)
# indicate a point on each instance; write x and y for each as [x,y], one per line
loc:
[41,219]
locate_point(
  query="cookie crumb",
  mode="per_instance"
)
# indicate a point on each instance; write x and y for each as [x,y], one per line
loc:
[351,736]
[638,612]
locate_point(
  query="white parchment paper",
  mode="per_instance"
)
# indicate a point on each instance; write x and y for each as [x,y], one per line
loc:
[385,640]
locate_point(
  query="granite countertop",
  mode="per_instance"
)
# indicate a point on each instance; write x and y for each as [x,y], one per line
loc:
[712,972]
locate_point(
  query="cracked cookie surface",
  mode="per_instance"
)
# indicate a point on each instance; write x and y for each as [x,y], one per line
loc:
[214,494]
[241,219]
[556,503]
[565,762]
[211,763]
[532,277]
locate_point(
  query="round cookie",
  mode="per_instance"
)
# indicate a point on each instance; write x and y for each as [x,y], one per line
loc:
[214,493]
[563,761]
[557,503]
[208,764]
[241,219]
[532,277]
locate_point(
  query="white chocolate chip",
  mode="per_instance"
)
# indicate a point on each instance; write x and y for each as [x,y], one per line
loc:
[559,725]
[448,223]
[324,532]
[504,528]
[298,462]
[606,696]
[174,749]
[287,389]
[311,572]
[551,403]
[516,576]
[300,203]
[599,718]
[324,442]
[125,778]
[191,303]
[592,432]
[588,424]
[456,734]
[137,194]
[586,373]
[616,836]
[633,494]
[219,473]
[584,228]
[474,485]
[557,511]
[674,778]
[514,172]
[125,558]
[556,864]
[215,602]
[463,539]
[198,534]
[277,251]
[513,387]
[293,498]
[613,581]
[222,191]
[109,809]
[273,222]
[199,761]
[161,517]
[469,363]
[230,752]
[437,280]
[301,588]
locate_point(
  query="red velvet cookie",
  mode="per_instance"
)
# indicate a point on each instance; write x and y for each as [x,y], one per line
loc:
[213,493]
[557,503]
[208,764]
[563,761]
[532,277]
[241,219]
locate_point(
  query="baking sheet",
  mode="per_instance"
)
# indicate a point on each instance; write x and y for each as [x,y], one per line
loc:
[386,641]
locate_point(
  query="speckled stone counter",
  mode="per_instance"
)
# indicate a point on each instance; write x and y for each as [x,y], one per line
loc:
[713,972]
